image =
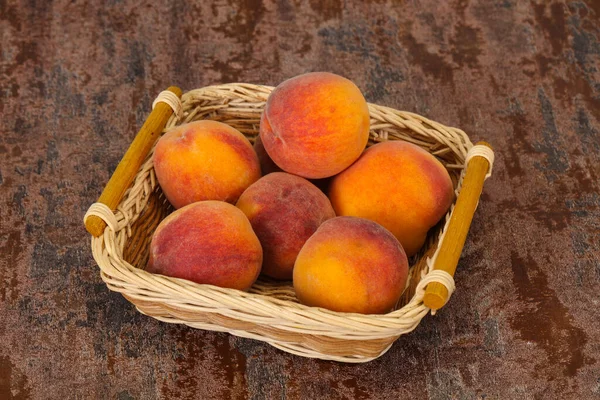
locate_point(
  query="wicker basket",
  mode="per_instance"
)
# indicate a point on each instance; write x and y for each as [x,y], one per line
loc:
[132,205]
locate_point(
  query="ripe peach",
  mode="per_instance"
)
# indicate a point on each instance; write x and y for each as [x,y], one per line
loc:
[208,242]
[284,210]
[398,185]
[204,160]
[315,125]
[351,265]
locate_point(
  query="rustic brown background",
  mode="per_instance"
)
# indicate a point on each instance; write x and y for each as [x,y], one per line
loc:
[77,80]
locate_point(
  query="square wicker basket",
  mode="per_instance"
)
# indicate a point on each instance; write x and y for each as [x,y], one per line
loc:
[132,205]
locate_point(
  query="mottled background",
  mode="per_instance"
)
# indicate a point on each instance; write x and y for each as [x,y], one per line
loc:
[77,80]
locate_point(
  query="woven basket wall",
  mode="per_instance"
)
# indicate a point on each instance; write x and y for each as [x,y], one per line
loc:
[269,311]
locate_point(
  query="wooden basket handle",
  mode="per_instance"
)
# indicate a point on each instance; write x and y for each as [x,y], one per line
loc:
[134,157]
[478,167]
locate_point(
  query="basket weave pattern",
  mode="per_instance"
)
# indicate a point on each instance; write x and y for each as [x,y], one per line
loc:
[269,311]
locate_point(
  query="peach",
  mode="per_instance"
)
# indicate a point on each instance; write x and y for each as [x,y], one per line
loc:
[210,242]
[315,125]
[398,185]
[204,160]
[284,210]
[351,265]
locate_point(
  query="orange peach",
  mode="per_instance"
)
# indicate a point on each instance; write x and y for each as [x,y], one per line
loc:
[284,210]
[204,160]
[398,185]
[351,265]
[315,125]
[209,242]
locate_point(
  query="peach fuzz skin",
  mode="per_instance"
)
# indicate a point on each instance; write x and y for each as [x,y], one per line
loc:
[351,265]
[398,185]
[204,160]
[209,242]
[315,125]
[284,210]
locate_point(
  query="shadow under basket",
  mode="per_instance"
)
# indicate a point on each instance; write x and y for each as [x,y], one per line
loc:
[132,205]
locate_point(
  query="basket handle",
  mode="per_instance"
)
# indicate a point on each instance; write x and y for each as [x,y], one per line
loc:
[163,108]
[479,166]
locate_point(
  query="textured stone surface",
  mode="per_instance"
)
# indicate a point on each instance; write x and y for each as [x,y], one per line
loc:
[77,80]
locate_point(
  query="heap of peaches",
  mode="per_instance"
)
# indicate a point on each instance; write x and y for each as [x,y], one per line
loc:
[244,210]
